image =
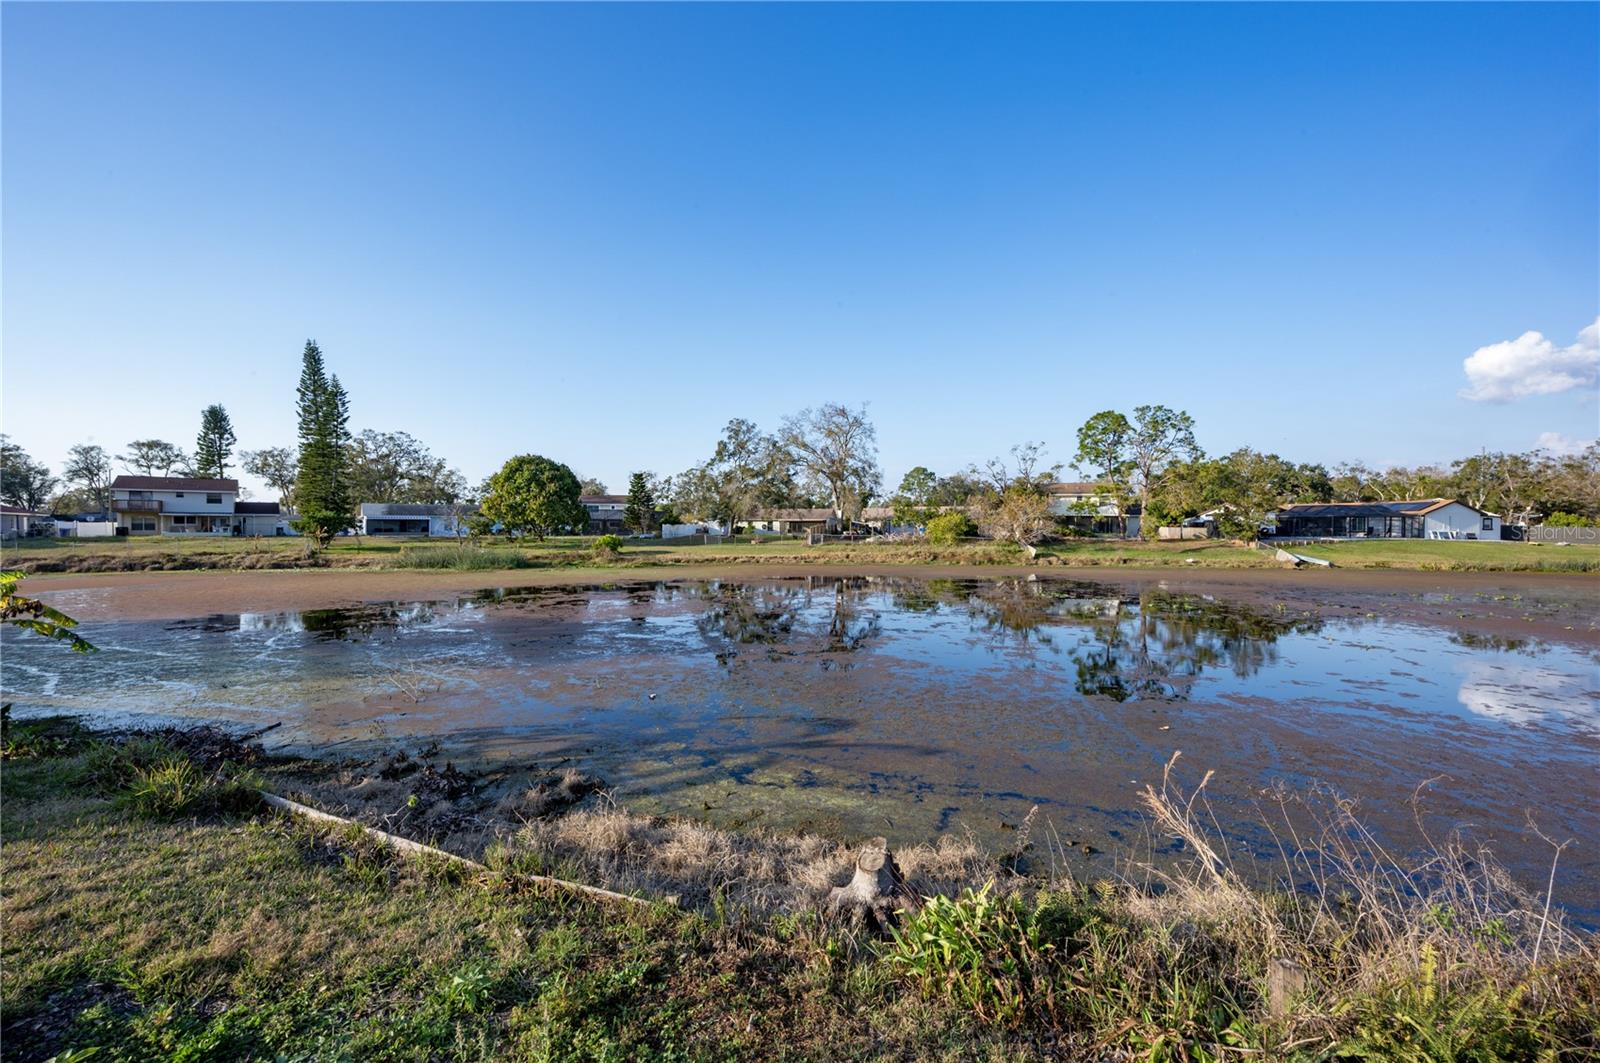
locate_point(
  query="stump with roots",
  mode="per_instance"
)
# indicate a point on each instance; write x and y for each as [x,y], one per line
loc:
[875,891]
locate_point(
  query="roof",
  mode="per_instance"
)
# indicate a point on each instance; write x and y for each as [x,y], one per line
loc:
[18,511]
[255,507]
[409,509]
[1076,487]
[604,500]
[173,483]
[815,513]
[1408,508]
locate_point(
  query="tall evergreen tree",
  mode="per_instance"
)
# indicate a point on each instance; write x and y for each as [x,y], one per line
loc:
[322,489]
[640,512]
[214,446]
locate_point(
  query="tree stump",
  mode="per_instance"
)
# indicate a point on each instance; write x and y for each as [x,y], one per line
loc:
[1286,981]
[875,891]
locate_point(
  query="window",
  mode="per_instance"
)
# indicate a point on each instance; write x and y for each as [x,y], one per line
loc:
[1488,524]
[142,524]
[214,498]
[177,494]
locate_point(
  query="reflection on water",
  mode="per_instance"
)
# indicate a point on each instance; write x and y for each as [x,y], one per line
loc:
[865,705]
[1153,644]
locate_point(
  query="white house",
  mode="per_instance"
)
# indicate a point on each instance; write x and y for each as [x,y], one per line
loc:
[412,518]
[1426,518]
[186,505]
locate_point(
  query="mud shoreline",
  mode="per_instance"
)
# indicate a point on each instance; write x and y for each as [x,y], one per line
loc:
[1553,606]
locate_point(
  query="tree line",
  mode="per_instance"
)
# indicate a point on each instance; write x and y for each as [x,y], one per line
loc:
[825,457]
[370,466]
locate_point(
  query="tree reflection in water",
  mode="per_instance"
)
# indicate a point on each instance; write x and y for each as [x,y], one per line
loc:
[1152,644]
[822,616]
[1146,645]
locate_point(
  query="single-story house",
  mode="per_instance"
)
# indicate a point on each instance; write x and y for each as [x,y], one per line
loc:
[798,521]
[1426,518]
[880,519]
[432,520]
[262,518]
[17,522]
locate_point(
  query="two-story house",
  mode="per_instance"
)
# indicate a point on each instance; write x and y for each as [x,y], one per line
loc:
[605,514]
[183,505]
[1092,507]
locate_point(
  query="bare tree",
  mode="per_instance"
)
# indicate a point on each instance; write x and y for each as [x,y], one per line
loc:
[1020,515]
[1024,467]
[89,467]
[154,457]
[836,450]
[278,467]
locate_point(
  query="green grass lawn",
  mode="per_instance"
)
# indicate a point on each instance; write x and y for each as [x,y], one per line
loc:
[1456,556]
[179,552]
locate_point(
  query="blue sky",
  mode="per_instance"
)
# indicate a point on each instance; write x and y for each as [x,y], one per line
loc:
[599,232]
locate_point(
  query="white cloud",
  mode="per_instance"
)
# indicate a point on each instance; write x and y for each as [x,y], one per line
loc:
[1562,446]
[1532,365]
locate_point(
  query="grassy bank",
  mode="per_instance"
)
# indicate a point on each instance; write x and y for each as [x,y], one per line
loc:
[177,553]
[153,919]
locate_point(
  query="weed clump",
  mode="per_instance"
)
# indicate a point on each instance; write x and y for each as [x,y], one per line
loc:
[461,558]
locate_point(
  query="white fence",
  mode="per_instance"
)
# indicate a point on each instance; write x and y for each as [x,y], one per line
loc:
[684,531]
[86,529]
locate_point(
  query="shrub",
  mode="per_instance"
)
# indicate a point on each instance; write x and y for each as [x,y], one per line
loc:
[608,544]
[1563,519]
[947,529]
[167,788]
[116,765]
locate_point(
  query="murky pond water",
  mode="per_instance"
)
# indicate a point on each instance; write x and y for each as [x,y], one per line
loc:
[903,707]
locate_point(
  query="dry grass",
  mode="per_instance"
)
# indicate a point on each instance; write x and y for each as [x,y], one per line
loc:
[1425,934]
[756,873]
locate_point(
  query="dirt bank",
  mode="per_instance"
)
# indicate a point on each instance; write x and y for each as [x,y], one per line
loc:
[1505,605]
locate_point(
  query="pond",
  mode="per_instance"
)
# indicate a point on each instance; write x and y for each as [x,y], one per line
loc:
[857,706]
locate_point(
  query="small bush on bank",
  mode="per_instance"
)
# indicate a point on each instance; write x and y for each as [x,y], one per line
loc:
[608,546]
[462,558]
[167,788]
[947,529]
[31,739]
[113,766]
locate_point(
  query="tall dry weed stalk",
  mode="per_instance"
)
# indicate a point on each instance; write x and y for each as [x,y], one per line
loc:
[1352,911]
